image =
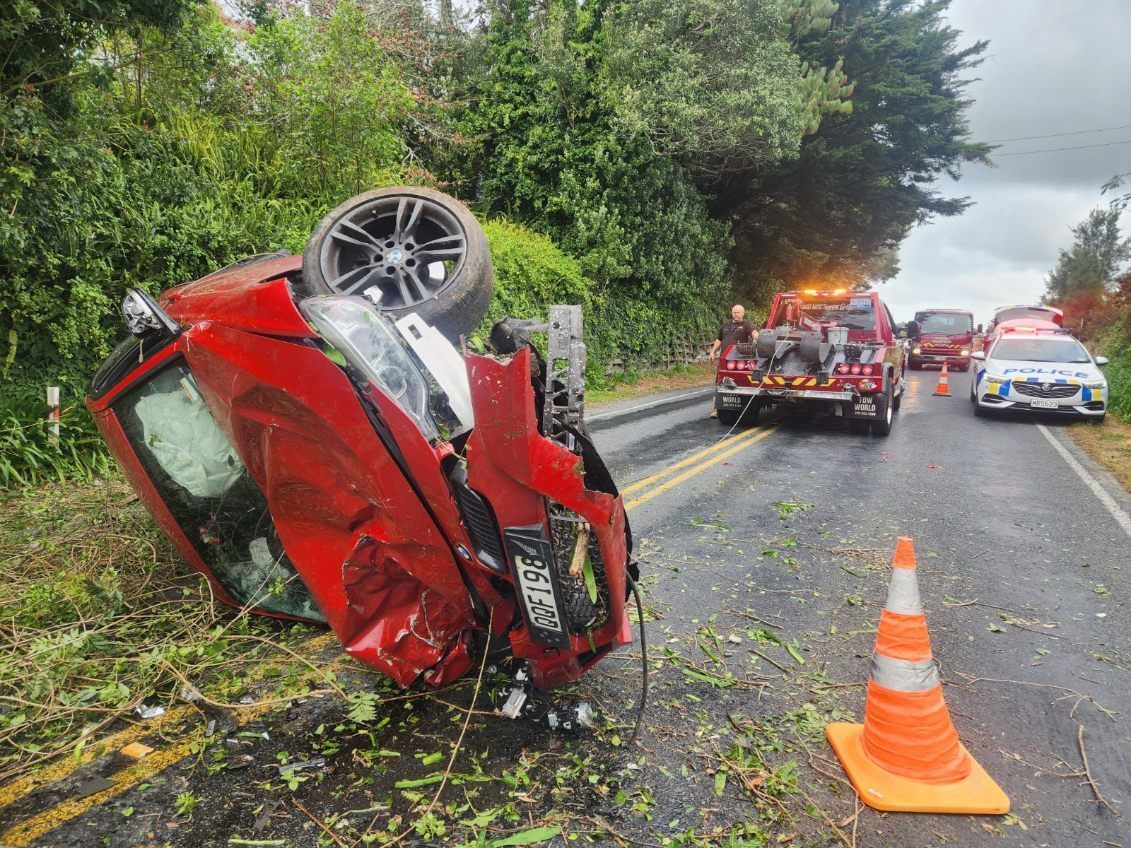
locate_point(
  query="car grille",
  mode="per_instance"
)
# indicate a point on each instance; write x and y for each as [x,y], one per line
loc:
[481,526]
[583,614]
[1039,390]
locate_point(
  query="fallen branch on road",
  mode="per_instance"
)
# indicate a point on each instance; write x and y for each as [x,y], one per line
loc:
[1088,774]
[1079,695]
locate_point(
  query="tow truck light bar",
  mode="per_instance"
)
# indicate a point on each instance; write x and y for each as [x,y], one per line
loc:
[833,293]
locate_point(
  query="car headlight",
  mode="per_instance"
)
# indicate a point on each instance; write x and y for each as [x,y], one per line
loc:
[370,343]
[964,352]
[995,380]
[916,350]
[1095,384]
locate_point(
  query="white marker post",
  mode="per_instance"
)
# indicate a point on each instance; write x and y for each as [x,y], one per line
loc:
[53,413]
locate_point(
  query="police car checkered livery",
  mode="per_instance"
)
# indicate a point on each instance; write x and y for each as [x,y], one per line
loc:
[1040,370]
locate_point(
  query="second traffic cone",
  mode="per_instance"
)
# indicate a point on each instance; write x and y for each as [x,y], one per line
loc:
[943,388]
[906,757]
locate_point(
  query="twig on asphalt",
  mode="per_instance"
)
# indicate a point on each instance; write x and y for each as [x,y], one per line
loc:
[1079,695]
[777,665]
[314,819]
[1088,774]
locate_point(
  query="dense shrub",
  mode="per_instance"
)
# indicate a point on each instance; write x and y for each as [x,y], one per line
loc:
[1115,343]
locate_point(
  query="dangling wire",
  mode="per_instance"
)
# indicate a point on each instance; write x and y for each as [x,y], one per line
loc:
[643,658]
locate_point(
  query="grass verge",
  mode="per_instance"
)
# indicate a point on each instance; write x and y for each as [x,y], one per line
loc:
[1109,444]
[98,616]
[636,384]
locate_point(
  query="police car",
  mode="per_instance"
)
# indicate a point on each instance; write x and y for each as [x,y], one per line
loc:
[1035,369]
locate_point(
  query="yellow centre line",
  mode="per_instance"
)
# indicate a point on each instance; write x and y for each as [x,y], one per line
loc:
[698,469]
[720,445]
[31,829]
[17,789]
[27,832]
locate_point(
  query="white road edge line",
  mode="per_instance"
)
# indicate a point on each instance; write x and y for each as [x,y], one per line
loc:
[1121,517]
[618,413]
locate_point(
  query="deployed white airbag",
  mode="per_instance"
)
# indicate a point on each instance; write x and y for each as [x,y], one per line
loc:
[188,445]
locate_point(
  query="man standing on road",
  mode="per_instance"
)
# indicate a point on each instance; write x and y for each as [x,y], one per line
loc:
[736,330]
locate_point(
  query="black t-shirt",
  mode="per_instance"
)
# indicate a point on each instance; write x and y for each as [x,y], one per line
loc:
[733,332]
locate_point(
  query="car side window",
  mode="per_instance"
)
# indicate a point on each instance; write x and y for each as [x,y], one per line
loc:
[206,487]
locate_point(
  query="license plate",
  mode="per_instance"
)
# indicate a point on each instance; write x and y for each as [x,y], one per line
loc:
[730,400]
[533,561]
[1037,403]
[864,408]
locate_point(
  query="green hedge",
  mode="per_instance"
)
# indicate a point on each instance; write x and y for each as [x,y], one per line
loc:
[1115,344]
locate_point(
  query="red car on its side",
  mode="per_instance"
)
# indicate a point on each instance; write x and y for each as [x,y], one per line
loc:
[941,336]
[318,459]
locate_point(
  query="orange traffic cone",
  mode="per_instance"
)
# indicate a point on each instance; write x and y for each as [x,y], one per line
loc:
[943,388]
[906,757]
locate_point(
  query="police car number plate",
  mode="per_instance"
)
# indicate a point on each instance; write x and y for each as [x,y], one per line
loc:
[1038,403]
[864,407]
[533,559]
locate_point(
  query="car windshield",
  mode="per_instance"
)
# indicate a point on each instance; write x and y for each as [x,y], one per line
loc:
[1015,312]
[1041,350]
[947,323]
[855,314]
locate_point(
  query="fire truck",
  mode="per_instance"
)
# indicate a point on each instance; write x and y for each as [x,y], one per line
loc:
[941,336]
[831,352]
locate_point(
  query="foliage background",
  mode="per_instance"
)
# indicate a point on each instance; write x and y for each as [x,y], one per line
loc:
[651,160]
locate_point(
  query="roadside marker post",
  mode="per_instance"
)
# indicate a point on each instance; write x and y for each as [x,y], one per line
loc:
[53,414]
[906,756]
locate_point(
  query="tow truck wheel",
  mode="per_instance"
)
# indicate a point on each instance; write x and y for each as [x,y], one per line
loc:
[881,426]
[408,249]
[728,417]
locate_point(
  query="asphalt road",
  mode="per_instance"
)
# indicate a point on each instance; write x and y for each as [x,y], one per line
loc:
[785,529]
[1025,573]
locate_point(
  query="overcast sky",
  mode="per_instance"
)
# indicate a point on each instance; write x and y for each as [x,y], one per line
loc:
[1053,66]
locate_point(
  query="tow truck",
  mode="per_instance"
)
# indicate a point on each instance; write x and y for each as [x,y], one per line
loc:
[819,351]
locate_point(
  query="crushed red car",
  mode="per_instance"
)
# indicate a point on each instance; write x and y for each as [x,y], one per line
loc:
[307,435]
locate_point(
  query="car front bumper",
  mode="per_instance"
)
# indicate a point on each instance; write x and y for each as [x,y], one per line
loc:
[1067,406]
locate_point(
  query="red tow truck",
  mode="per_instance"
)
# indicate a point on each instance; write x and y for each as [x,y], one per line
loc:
[821,351]
[941,336]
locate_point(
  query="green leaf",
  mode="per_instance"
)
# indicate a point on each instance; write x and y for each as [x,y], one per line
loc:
[533,836]
[590,580]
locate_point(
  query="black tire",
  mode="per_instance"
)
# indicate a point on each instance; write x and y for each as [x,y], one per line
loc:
[897,400]
[751,414]
[728,417]
[885,405]
[409,249]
